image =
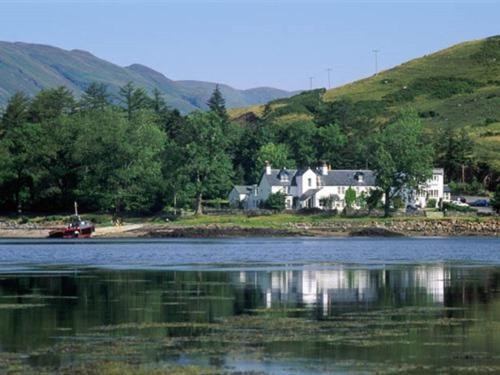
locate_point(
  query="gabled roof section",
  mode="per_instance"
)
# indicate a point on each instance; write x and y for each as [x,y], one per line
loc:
[349,177]
[274,178]
[242,189]
[309,193]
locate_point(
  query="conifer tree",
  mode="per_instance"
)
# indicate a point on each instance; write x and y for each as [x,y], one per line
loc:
[217,104]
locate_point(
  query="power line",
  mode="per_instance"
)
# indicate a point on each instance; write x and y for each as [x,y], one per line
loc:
[311,83]
[329,82]
[375,52]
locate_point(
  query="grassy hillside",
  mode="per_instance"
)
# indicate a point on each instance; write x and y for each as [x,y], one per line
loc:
[31,67]
[457,87]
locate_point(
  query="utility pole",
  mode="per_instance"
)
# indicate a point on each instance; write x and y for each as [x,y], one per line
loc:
[311,83]
[375,52]
[329,82]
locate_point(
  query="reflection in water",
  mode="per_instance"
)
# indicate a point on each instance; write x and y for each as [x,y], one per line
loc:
[330,288]
[458,304]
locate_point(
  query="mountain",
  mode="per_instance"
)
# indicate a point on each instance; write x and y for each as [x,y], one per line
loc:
[32,67]
[456,87]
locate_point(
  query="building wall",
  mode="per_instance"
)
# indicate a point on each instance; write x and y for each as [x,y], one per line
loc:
[432,189]
[306,182]
[235,198]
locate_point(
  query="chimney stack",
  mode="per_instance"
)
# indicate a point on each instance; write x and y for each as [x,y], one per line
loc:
[267,169]
[324,169]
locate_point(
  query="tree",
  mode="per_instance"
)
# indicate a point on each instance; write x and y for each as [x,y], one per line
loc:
[454,152]
[95,97]
[217,104]
[275,154]
[374,199]
[21,163]
[133,99]
[52,103]
[330,141]
[299,136]
[120,162]
[205,160]
[158,104]
[402,159]
[276,201]
[16,112]
[495,202]
[350,197]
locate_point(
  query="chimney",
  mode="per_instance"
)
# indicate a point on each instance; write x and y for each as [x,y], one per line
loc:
[267,168]
[324,169]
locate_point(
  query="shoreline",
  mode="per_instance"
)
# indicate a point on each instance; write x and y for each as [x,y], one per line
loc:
[336,228]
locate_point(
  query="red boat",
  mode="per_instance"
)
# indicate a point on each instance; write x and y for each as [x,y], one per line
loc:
[77,228]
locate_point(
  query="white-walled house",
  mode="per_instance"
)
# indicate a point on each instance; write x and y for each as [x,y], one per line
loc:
[434,188]
[305,188]
[239,195]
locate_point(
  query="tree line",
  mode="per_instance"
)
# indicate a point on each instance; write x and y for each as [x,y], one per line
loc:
[135,154]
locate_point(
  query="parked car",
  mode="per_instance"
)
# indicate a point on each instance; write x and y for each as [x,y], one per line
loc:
[412,208]
[480,203]
[459,202]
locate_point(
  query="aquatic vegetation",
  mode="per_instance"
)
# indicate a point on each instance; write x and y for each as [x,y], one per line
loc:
[19,306]
[196,322]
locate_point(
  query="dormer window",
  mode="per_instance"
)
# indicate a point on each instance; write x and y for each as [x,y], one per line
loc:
[283,176]
[359,177]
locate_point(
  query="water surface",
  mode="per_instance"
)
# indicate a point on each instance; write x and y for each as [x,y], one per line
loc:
[263,305]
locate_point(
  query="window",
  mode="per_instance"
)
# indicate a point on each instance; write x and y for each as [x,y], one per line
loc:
[286,189]
[309,182]
[435,178]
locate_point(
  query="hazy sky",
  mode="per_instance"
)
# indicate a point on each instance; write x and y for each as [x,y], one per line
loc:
[251,43]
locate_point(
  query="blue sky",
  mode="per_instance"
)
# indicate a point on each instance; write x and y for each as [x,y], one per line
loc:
[252,43]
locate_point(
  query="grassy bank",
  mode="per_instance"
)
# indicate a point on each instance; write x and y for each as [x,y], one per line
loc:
[283,224]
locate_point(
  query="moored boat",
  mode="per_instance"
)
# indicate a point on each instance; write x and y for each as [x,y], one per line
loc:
[77,228]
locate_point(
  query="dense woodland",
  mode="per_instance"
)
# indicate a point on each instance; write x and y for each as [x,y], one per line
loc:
[135,154]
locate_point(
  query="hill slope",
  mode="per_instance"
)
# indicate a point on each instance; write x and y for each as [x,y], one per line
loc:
[32,67]
[456,87]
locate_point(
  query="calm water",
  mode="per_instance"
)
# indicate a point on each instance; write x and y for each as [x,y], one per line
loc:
[263,305]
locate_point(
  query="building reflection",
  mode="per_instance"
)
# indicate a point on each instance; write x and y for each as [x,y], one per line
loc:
[342,286]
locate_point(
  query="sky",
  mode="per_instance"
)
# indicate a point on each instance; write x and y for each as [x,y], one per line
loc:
[247,43]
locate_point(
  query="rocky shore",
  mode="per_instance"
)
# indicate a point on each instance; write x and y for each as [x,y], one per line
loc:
[389,228]
[341,227]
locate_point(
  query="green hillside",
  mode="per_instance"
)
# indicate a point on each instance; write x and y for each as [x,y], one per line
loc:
[458,87]
[32,67]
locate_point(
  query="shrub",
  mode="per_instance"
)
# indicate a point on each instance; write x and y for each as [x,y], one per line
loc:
[453,207]
[489,53]
[328,202]
[431,202]
[435,87]
[374,199]
[471,188]
[495,201]
[428,114]
[398,203]
[350,197]
[276,201]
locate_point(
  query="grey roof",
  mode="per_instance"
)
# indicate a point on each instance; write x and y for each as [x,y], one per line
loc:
[242,189]
[274,180]
[338,177]
[309,193]
[348,177]
[446,189]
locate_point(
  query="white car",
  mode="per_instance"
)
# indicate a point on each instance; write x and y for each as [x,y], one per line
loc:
[458,202]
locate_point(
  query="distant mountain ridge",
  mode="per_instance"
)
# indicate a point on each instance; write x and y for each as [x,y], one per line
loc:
[31,67]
